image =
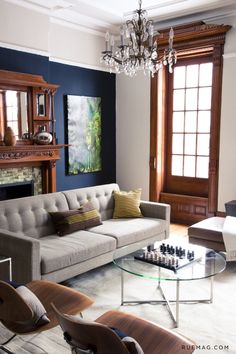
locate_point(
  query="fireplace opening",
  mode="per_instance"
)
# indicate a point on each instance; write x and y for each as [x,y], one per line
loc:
[16,190]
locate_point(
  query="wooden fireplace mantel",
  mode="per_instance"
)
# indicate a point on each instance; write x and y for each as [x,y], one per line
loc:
[38,99]
[32,153]
[42,155]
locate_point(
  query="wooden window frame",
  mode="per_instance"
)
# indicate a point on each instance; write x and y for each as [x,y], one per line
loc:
[189,39]
[182,184]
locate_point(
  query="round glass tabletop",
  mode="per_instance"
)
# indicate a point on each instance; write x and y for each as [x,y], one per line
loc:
[190,263]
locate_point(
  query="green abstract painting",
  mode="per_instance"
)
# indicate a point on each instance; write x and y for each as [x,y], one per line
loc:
[84,134]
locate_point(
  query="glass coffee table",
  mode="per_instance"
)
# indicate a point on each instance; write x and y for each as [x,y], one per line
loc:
[176,263]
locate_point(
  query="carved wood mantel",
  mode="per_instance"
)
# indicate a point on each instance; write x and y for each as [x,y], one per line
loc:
[44,156]
[33,109]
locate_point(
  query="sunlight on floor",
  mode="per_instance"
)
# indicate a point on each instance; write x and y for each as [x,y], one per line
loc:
[178,230]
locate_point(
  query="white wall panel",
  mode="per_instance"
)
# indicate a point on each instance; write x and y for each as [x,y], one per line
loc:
[23,27]
[133,132]
[73,45]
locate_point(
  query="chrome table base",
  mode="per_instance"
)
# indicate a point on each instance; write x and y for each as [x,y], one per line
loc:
[167,302]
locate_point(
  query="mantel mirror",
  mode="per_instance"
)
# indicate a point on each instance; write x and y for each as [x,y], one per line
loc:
[41,104]
[14,112]
[26,105]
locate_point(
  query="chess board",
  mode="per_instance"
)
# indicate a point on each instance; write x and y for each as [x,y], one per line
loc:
[168,256]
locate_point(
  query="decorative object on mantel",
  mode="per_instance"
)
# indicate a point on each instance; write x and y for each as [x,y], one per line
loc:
[139,52]
[9,137]
[26,136]
[42,137]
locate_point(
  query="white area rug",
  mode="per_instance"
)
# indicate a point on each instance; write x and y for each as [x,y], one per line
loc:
[211,326]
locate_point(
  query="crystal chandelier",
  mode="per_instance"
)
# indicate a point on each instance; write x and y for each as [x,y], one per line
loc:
[137,51]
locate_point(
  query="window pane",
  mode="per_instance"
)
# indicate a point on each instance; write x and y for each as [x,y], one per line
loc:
[202,167]
[177,165]
[11,98]
[192,76]
[14,126]
[189,166]
[190,144]
[179,77]
[204,98]
[11,114]
[190,122]
[204,121]
[178,104]
[178,122]
[205,78]
[203,144]
[177,143]
[191,99]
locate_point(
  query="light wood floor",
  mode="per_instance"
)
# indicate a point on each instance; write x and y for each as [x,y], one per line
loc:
[178,230]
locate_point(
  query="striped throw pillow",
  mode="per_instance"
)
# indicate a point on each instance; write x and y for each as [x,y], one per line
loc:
[66,222]
[127,204]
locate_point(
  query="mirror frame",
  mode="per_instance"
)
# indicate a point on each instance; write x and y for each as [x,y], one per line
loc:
[34,85]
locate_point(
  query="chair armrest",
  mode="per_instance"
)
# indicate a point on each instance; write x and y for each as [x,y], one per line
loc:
[25,254]
[158,211]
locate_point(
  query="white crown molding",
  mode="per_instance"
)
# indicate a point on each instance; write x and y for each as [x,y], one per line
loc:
[92,23]
[80,28]
[53,18]
[51,58]
[221,15]
[75,63]
[192,18]
[24,49]
[30,6]
[229,55]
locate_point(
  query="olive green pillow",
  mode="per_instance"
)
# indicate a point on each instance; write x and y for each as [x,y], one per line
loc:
[66,222]
[127,204]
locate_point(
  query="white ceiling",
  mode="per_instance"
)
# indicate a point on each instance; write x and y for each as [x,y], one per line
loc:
[101,15]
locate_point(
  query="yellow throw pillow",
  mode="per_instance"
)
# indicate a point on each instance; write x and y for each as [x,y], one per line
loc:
[127,204]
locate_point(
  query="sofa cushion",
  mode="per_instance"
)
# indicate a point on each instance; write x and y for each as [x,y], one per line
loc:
[127,231]
[60,252]
[30,216]
[67,222]
[101,197]
[127,204]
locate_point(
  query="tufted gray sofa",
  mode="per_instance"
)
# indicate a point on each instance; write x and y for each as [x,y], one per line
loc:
[28,236]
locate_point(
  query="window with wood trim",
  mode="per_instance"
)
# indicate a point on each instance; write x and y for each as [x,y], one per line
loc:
[189,126]
[185,124]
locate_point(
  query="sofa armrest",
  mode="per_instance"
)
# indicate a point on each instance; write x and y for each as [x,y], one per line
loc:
[25,254]
[158,211]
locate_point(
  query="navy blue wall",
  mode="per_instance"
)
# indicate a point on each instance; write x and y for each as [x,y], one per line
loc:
[74,81]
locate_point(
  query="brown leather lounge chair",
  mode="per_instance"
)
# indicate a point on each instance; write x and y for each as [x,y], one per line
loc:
[98,337]
[16,314]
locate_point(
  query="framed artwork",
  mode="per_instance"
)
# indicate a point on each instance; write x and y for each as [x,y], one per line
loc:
[84,134]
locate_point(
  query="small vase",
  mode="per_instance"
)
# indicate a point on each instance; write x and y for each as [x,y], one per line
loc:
[9,137]
[43,137]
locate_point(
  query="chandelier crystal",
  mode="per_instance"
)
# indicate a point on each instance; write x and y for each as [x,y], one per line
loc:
[137,50]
